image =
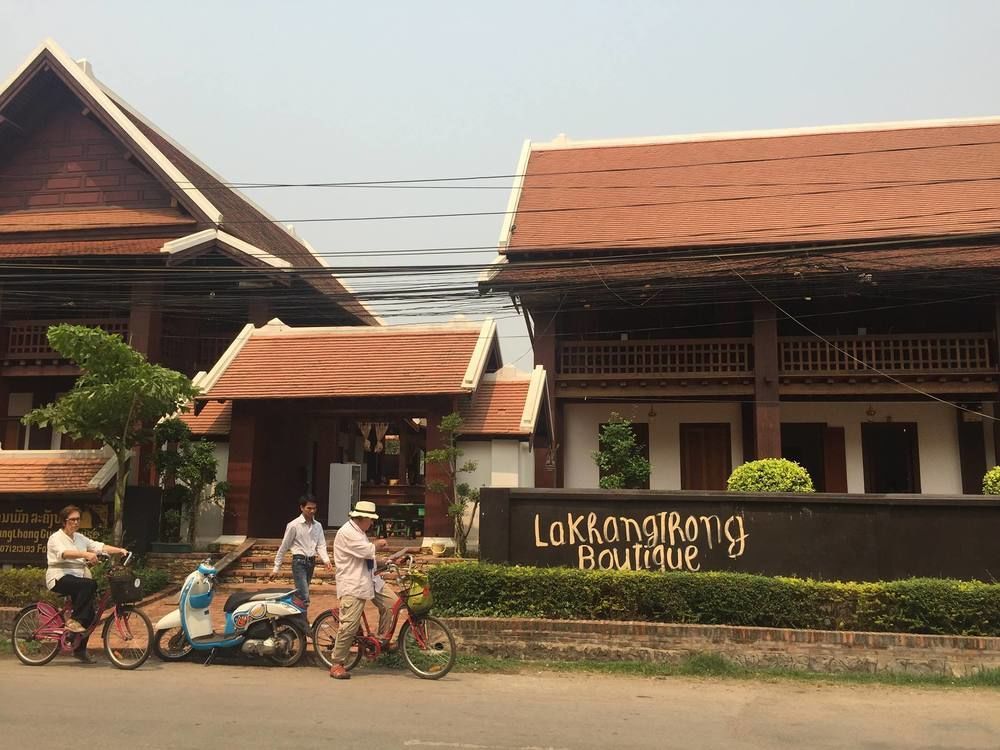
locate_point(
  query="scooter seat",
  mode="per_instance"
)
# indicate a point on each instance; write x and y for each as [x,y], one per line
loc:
[242,597]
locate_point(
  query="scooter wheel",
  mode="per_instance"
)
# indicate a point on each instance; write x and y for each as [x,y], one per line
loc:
[171,645]
[292,644]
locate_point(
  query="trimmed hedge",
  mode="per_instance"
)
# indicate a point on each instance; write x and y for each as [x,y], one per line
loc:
[916,605]
[991,481]
[20,587]
[770,475]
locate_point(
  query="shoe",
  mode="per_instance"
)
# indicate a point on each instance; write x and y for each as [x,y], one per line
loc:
[386,646]
[338,672]
[83,656]
[74,627]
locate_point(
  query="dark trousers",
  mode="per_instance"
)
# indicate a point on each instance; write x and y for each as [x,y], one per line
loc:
[83,591]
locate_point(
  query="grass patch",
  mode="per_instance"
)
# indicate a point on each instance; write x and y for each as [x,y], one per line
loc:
[699,665]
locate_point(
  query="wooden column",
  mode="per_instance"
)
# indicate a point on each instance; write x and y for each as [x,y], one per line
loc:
[145,322]
[545,350]
[436,521]
[242,439]
[767,411]
[328,452]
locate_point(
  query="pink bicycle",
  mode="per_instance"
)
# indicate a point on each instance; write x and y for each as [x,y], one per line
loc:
[40,634]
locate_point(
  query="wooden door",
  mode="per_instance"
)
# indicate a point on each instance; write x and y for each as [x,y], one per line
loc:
[706,456]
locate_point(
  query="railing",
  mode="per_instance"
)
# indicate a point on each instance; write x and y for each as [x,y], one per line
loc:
[27,339]
[687,357]
[914,353]
[966,353]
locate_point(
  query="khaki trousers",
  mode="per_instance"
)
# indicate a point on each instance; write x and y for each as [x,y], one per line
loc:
[351,610]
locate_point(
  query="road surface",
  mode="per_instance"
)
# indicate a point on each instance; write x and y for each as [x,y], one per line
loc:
[191,706]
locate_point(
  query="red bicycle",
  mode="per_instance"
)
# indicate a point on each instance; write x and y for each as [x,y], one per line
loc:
[40,633]
[426,643]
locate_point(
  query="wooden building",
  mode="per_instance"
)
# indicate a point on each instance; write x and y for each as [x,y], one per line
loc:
[824,294]
[106,221]
[303,401]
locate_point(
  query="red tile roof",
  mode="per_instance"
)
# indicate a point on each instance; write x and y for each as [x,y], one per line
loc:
[133,246]
[280,362]
[98,218]
[36,473]
[806,265]
[495,408]
[215,419]
[816,264]
[868,182]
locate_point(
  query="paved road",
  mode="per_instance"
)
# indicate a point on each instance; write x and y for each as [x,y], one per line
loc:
[191,706]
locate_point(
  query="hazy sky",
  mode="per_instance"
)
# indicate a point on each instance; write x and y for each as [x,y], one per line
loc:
[333,92]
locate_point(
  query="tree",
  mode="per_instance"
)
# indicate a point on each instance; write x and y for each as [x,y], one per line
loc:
[619,457]
[188,469]
[117,400]
[460,496]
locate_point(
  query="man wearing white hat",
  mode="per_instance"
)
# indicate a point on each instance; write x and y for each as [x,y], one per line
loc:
[354,559]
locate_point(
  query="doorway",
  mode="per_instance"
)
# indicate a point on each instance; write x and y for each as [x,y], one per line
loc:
[890,453]
[803,443]
[706,456]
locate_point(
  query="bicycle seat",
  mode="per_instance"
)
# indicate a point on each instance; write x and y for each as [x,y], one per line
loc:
[242,597]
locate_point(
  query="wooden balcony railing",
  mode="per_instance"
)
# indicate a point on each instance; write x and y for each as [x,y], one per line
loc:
[27,339]
[677,357]
[909,353]
[924,354]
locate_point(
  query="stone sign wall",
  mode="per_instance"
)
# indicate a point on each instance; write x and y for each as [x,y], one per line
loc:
[826,536]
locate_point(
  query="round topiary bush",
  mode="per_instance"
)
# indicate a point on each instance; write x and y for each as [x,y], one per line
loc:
[770,475]
[991,481]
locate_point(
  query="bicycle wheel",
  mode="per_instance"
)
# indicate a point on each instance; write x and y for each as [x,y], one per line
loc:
[32,646]
[428,647]
[128,637]
[324,637]
[171,644]
[290,644]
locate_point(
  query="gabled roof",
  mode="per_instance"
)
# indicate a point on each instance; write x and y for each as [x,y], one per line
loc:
[209,201]
[507,403]
[878,181]
[56,472]
[215,419]
[277,361]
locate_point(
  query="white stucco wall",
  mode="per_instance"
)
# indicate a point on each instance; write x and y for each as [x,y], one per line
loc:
[500,463]
[210,519]
[582,423]
[937,434]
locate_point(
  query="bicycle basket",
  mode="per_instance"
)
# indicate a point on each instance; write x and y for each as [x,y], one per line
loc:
[419,599]
[125,587]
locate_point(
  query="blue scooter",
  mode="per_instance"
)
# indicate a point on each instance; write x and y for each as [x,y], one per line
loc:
[270,623]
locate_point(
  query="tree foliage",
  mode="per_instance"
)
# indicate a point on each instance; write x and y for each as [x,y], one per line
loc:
[118,398]
[461,496]
[619,457]
[188,469]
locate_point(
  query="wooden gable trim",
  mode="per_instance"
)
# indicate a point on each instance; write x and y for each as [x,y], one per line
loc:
[50,56]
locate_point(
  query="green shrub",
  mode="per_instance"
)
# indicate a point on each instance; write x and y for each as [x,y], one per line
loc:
[22,586]
[770,475]
[991,481]
[917,605]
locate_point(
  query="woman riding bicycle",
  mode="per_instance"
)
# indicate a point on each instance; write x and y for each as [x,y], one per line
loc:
[69,554]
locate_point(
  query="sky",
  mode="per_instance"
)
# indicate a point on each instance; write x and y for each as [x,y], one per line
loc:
[296,92]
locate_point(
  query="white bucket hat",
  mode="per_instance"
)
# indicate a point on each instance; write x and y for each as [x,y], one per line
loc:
[364,509]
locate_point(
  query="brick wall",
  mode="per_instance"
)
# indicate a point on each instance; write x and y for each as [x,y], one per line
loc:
[809,650]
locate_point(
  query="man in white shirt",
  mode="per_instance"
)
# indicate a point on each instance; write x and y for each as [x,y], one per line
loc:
[305,539]
[354,557]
